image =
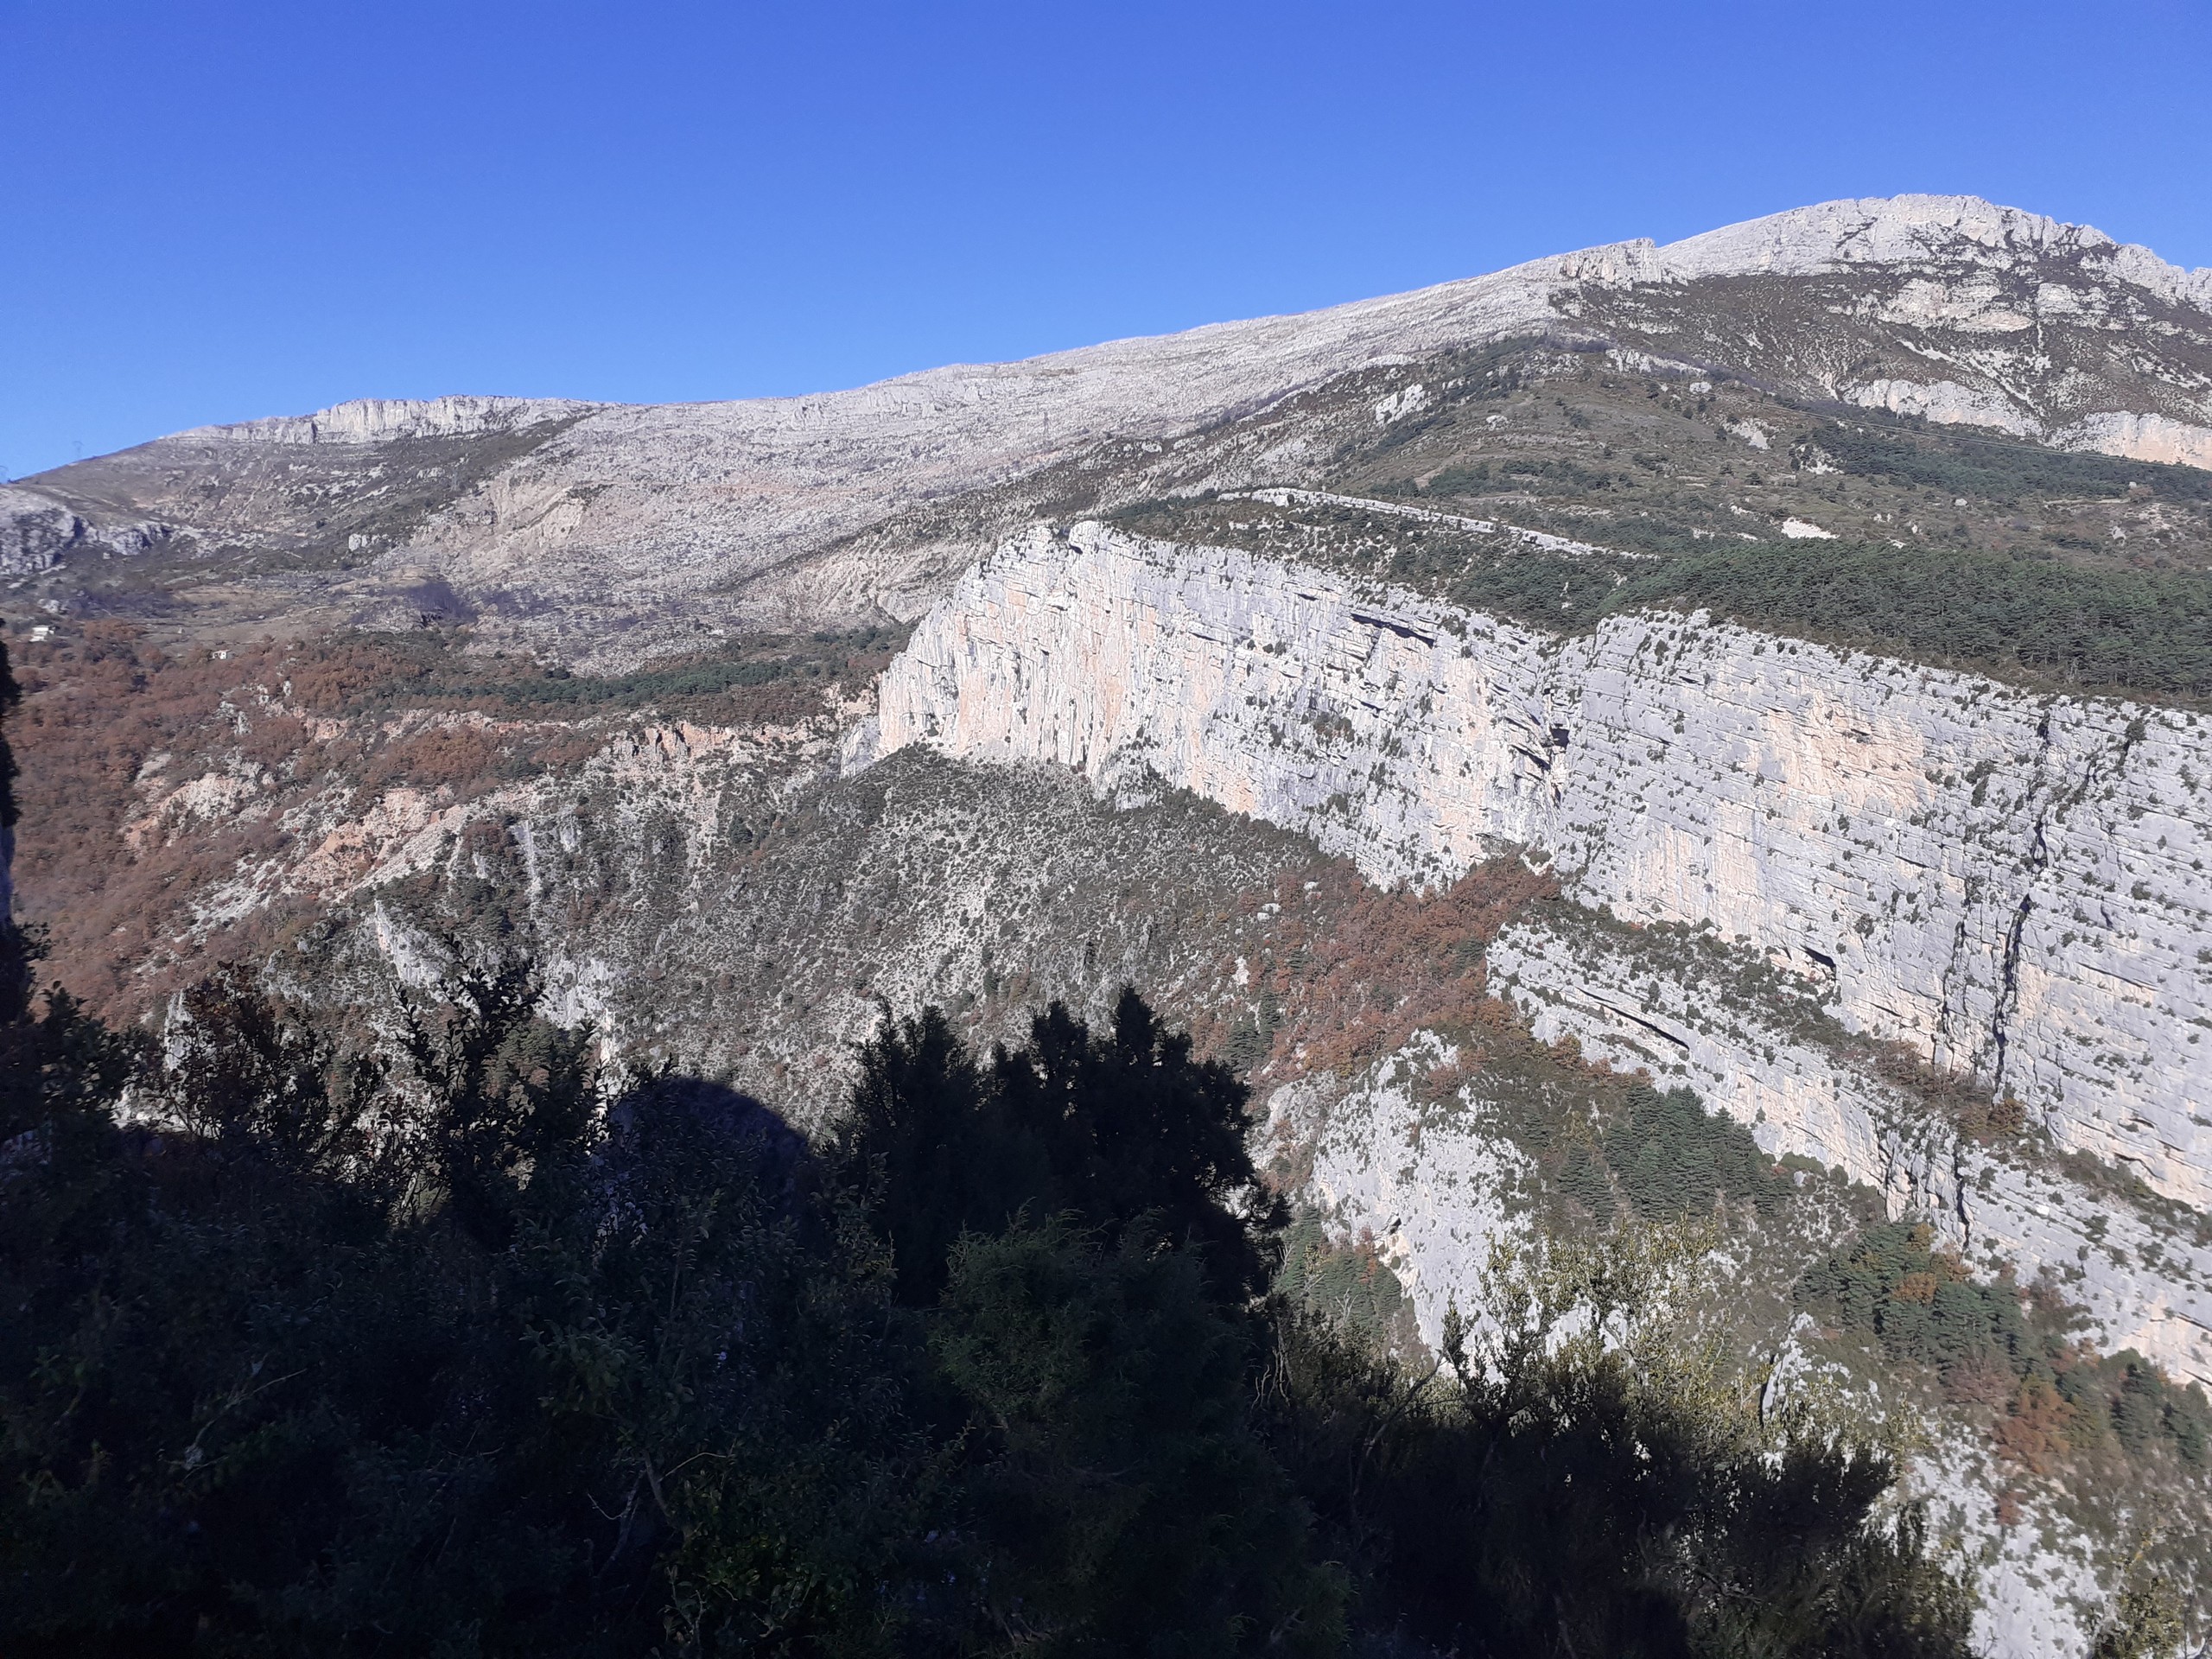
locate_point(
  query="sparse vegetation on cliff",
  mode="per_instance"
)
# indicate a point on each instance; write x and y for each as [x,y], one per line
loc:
[2001,1345]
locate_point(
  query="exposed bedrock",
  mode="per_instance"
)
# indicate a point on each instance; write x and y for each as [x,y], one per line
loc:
[1692,1012]
[2011,883]
[1433,1186]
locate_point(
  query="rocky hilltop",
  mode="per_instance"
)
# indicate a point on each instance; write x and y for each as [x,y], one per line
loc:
[1773,666]
[604,534]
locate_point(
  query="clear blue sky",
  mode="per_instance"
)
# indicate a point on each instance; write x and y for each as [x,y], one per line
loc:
[238,207]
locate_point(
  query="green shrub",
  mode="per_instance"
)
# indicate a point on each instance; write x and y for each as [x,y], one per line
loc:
[1997,469]
[1674,1157]
[1889,1281]
[1347,1283]
[1926,1309]
[2100,630]
[1122,1500]
[1541,474]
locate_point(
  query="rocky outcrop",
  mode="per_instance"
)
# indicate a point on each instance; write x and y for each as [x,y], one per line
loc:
[1427,1181]
[37,532]
[1948,308]
[2013,885]
[382,420]
[2141,437]
[1753,1045]
[1917,231]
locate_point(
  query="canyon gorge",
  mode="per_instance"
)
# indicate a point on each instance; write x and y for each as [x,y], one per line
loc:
[1777,665]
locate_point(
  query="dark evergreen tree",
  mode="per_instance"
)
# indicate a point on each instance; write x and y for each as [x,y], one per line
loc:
[1116,1130]
[1137,1133]
[924,1148]
[1117,1491]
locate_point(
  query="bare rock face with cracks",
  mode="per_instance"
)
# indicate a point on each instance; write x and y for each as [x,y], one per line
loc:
[1773,665]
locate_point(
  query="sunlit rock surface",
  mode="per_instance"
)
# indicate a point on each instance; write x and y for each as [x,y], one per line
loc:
[599,532]
[2013,885]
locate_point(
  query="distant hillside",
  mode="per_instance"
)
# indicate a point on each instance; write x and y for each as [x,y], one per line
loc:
[602,534]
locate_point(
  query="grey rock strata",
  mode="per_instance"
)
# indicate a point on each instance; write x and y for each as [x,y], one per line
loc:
[2013,885]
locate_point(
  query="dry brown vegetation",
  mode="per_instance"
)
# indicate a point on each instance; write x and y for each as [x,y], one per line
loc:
[1362,970]
[152,779]
[95,712]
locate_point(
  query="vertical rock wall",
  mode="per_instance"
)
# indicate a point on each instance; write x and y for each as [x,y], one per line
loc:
[2013,884]
[1692,1013]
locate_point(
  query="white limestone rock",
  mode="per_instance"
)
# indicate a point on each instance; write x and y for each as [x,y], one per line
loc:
[380,420]
[1433,1187]
[2012,884]
[1765,1052]
[2141,437]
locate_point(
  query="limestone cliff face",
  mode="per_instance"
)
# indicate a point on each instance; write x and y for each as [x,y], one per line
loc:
[2012,884]
[1690,1012]
[381,420]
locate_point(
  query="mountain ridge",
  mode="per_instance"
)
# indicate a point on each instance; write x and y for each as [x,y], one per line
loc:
[1469,713]
[1860,230]
[603,534]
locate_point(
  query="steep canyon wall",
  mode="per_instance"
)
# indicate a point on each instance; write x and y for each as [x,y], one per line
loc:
[2012,883]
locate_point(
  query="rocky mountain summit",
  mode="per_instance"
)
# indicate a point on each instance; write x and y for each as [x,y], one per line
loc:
[605,534]
[1771,666]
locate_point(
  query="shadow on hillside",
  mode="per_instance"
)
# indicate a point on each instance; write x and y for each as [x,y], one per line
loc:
[783,1154]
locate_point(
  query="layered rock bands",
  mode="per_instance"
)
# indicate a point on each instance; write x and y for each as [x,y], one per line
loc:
[2012,884]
